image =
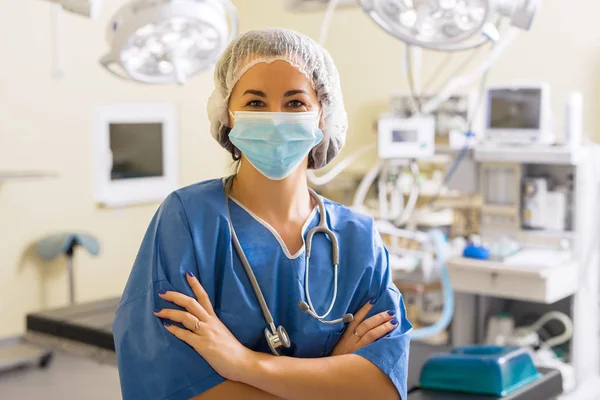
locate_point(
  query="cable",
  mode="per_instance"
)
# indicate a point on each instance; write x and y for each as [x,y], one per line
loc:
[387,228]
[327,20]
[461,67]
[417,105]
[463,152]
[439,242]
[456,83]
[397,197]
[459,158]
[365,185]
[436,73]
[380,172]
[382,192]
[451,171]
[411,203]
[544,319]
[482,85]
[338,168]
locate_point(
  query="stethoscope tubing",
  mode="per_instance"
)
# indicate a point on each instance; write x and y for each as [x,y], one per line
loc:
[322,227]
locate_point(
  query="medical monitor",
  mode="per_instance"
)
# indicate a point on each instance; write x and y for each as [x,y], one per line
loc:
[405,138]
[518,114]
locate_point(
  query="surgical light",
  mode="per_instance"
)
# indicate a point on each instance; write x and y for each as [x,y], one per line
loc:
[167,41]
[448,24]
[86,8]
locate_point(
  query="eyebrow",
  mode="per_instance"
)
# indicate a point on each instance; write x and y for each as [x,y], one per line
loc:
[256,93]
[294,92]
[287,94]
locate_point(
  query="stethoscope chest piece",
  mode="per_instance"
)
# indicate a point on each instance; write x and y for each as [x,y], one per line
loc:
[277,339]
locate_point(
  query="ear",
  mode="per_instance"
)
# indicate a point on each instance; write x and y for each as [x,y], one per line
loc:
[230,119]
[321,118]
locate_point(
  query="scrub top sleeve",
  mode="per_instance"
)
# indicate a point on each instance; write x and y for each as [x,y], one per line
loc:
[389,354]
[154,364]
[166,252]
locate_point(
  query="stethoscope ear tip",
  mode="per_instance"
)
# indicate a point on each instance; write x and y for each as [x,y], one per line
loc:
[348,318]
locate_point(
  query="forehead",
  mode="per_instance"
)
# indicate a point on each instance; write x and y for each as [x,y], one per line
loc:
[272,76]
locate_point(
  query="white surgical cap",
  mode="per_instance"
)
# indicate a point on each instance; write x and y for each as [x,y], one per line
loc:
[268,45]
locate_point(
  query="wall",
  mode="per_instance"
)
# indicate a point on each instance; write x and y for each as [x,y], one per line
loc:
[45,124]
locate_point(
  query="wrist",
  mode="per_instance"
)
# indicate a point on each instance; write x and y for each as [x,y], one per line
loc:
[246,366]
[254,368]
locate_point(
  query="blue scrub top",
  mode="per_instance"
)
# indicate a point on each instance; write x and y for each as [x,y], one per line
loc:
[190,232]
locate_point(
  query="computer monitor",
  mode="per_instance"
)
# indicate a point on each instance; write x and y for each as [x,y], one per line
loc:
[519,114]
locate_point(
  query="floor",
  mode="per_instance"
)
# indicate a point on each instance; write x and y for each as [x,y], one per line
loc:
[68,377]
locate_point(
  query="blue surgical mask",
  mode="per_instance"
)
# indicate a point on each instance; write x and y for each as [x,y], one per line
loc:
[275,143]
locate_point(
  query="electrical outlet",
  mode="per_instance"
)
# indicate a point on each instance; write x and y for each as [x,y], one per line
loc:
[315,5]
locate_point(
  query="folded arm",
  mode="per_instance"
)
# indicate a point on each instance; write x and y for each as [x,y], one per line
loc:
[234,390]
[349,376]
[340,377]
[364,375]
[344,375]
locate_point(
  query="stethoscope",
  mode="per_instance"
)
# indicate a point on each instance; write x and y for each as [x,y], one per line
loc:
[278,337]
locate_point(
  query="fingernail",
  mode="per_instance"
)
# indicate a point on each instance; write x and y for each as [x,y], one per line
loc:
[157,310]
[190,274]
[373,300]
[166,324]
[391,312]
[394,321]
[162,292]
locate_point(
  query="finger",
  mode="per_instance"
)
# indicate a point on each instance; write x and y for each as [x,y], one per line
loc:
[181,334]
[188,320]
[374,321]
[189,303]
[360,315]
[200,293]
[378,332]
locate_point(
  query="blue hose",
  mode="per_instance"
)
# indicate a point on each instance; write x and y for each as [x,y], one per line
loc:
[439,242]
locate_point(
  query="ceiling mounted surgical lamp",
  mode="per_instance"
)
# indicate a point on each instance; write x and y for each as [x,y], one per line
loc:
[448,25]
[167,41]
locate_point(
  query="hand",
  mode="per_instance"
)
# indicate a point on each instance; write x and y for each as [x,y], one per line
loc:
[360,333]
[205,332]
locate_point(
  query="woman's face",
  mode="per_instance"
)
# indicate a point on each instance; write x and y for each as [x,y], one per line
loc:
[273,87]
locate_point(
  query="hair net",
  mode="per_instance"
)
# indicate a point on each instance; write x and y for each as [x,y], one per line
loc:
[268,45]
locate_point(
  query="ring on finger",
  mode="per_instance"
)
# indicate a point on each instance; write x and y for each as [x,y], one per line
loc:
[355,333]
[196,327]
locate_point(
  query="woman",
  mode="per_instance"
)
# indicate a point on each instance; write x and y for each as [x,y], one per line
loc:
[189,324]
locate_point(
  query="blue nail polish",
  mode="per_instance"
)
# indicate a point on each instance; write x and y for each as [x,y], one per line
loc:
[373,300]
[394,321]
[157,310]
[162,292]
[166,324]
[190,274]
[391,312]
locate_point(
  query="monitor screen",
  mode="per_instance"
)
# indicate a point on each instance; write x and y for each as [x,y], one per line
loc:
[514,109]
[137,150]
[404,136]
